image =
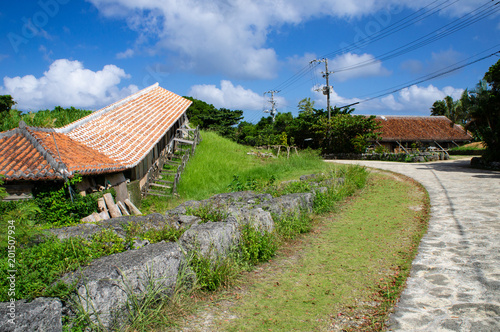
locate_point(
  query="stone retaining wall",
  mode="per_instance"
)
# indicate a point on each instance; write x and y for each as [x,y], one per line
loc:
[103,287]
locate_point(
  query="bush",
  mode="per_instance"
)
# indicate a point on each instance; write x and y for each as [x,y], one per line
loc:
[212,273]
[291,225]
[58,209]
[257,245]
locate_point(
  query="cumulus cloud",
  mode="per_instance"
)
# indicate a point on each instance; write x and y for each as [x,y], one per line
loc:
[230,37]
[230,96]
[412,100]
[68,83]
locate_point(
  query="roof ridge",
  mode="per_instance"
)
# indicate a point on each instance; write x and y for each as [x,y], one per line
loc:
[57,166]
[98,113]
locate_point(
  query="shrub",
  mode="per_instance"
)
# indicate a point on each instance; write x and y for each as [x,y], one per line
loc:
[257,245]
[209,212]
[58,209]
[214,272]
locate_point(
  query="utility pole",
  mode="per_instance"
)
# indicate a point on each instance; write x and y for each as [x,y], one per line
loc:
[273,110]
[326,89]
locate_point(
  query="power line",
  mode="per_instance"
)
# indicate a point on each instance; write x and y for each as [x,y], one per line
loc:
[397,26]
[428,78]
[431,37]
[464,21]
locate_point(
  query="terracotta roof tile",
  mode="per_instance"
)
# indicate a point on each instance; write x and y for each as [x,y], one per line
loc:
[420,128]
[19,159]
[111,139]
[127,131]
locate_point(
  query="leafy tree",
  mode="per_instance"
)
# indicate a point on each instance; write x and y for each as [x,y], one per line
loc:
[484,112]
[6,103]
[438,108]
[346,133]
[302,129]
[452,109]
[207,116]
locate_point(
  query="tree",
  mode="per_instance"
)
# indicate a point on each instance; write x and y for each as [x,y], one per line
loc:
[485,113]
[438,108]
[6,103]
[452,109]
[302,128]
[206,116]
[346,133]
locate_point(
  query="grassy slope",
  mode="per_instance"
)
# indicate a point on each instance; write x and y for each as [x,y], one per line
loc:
[352,259]
[218,159]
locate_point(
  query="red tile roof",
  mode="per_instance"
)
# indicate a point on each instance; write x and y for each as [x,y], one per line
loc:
[112,139]
[126,131]
[420,128]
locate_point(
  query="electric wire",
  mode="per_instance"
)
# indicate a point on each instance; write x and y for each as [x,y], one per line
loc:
[426,78]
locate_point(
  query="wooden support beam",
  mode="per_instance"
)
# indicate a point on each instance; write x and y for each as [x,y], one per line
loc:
[160,185]
[114,211]
[183,141]
[123,209]
[133,209]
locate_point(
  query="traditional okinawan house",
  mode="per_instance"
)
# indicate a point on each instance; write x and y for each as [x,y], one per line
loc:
[400,133]
[117,143]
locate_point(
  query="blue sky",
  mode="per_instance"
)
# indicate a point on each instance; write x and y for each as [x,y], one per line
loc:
[89,54]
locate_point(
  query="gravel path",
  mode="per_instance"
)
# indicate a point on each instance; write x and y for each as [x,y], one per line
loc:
[454,283]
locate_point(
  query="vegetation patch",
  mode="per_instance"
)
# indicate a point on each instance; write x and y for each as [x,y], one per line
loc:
[344,275]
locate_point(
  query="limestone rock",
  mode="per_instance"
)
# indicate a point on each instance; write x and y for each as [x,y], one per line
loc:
[211,239]
[41,314]
[104,286]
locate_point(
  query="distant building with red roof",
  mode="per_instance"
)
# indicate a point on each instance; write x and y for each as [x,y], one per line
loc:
[398,132]
[126,137]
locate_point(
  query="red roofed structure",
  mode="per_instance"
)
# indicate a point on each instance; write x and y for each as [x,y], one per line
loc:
[398,132]
[127,136]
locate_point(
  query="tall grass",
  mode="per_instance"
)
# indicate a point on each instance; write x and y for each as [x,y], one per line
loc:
[218,159]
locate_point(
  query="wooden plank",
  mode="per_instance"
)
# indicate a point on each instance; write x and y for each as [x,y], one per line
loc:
[160,185]
[104,215]
[183,141]
[164,181]
[97,216]
[123,209]
[101,205]
[88,219]
[133,209]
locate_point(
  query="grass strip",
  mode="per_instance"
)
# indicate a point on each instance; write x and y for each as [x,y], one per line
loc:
[348,272]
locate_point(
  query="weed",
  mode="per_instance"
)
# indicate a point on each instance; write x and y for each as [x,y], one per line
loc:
[290,225]
[167,233]
[209,212]
[215,271]
[257,245]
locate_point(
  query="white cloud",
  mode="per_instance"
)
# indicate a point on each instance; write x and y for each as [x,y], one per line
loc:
[348,66]
[412,100]
[230,96]
[68,83]
[125,54]
[230,37]
[46,53]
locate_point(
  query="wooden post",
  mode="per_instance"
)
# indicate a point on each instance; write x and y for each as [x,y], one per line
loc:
[114,211]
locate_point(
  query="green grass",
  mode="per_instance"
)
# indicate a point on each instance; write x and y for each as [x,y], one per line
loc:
[217,160]
[360,256]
